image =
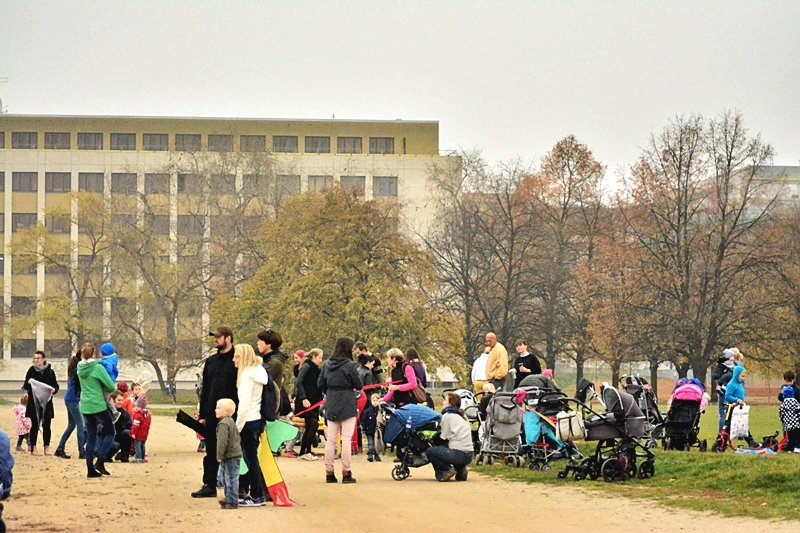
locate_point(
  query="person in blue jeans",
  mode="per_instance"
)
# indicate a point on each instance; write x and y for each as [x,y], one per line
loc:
[74,416]
[452,460]
[94,382]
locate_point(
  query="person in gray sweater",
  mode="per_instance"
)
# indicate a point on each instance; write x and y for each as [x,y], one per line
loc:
[452,460]
[339,382]
[229,452]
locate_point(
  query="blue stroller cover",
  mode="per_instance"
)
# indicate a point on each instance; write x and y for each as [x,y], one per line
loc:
[418,414]
[535,427]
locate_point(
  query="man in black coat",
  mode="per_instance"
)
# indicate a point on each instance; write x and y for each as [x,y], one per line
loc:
[219,381]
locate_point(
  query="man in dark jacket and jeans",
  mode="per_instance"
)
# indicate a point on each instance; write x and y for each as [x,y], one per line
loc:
[219,381]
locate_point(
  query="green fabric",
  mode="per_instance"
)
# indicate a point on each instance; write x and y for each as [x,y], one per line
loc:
[279,432]
[94,381]
[242,467]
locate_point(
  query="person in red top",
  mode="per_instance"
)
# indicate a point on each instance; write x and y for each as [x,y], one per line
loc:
[141,428]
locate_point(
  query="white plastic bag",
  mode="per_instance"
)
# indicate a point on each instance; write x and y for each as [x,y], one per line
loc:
[740,422]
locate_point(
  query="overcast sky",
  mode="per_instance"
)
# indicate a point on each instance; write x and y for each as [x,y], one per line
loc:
[510,78]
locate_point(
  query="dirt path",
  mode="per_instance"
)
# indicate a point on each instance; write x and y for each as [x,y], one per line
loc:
[52,494]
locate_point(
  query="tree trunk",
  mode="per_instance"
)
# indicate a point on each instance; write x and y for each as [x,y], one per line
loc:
[654,376]
[682,368]
[579,362]
[700,370]
[615,373]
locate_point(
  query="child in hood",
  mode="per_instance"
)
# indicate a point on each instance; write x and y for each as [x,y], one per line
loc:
[23,423]
[110,361]
[141,428]
[735,395]
[789,413]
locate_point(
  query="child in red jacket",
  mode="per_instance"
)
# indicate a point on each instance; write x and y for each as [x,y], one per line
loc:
[141,428]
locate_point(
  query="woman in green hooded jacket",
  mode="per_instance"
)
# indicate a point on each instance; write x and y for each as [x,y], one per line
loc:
[94,381]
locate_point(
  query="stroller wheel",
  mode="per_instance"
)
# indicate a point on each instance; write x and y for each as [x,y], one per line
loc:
[545,467]
[652,444]
[488,460]
[612,470]
[703,445]
[534,466]
[400,472]
[511,460]
[563,475]
[479,459]
[646,470]
[519,461]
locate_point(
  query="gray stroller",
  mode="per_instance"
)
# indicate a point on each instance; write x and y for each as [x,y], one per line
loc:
[502,431]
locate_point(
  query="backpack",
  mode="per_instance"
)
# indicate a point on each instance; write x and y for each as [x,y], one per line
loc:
[270,401]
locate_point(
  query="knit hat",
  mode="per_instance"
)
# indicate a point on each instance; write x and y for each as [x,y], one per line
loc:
[122,387]
[729,364]
[788,392]
[141,402]
[107,349]
[548,373]
[300,353]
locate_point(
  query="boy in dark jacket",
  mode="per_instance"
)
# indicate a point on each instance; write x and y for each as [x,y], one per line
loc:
[369,423]
[229,452]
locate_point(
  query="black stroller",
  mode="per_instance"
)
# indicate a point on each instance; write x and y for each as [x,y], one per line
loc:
[682,427]
[640,389]
[411,429]
[619,455]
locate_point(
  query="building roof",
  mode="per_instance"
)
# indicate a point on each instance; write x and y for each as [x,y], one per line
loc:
[779,172]
[225,119]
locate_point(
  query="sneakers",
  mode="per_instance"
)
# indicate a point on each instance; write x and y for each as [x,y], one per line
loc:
[369,458]
[347,477]
[252,502]
[205,492]
[226,505]
[309,457]
[461,474]
[100,467]
[289,454]
[330,477]
[377,458]
[447,476]
[60,453]
[94,473]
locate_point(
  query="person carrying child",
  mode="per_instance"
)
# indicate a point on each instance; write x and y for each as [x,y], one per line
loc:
[229,452]
[789,413]
[23,423]
[141,428]
[110,361]
[369,422]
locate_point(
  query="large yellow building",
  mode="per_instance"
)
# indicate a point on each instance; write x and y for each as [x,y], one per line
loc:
[44,158]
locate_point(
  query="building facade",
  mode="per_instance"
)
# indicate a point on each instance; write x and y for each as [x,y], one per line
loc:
[43,159]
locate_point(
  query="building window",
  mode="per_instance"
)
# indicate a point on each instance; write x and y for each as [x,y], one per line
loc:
[220,143]
[355,185]
[2,181]
[154,142]
[24,265]
[187,142]
[348,145]
[24,182]
[57,182]
[319,183]
[190,183]
[286,144]
[156,183]
[2,265]
[288,185]
[158,224]
[22,221]
[223,184]
[254,184]
[318,145]
[24,140]
[123,141]
[90,182]
[90,141]
[23,347]
[253,143]
[57,224]
[2,222]
[190,225]
[2,140]
[56,141]
[58,348]
[384,186]
[123,183]
[222,224]
[381,145]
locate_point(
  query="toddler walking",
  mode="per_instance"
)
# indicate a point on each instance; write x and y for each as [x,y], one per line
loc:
[141,428]
[369,422]
[23,423]
[229,452]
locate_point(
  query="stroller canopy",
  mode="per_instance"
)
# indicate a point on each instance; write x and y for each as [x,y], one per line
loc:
[419,415]
[620,402]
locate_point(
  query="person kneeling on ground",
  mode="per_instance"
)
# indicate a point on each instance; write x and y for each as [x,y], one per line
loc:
[121,447]
[452,460]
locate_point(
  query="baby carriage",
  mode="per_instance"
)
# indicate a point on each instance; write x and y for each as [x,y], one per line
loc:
[543,408]
[502,429]
[411,429]
[640,389]
[682,424]
[469,404]
[619,454]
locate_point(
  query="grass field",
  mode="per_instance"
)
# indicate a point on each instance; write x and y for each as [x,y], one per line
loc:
[735,485]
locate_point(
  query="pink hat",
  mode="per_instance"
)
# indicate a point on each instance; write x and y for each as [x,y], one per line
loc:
[547,373]
[300,353]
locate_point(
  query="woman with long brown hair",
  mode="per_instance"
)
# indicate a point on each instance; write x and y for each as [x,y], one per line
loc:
[74,417]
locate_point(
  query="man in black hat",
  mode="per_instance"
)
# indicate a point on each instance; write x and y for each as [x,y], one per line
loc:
[219,381]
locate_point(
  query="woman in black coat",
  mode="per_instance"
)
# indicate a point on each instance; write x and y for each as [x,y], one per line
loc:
[41,371]
[339,381]
[307,394]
